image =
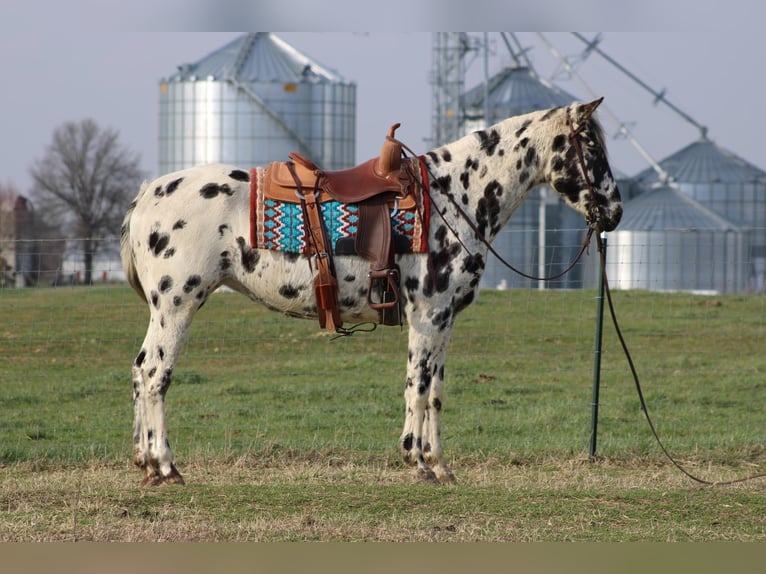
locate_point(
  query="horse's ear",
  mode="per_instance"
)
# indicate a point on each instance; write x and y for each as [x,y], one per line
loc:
[583,112]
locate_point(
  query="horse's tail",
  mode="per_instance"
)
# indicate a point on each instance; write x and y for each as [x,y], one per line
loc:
[126,248]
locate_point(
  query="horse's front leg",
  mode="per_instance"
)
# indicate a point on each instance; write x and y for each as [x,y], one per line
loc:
[423,393]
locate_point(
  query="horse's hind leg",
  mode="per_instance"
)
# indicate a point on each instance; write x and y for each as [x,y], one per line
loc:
[152,372]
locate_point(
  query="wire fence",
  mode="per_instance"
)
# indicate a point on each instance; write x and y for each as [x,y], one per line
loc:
[519,371]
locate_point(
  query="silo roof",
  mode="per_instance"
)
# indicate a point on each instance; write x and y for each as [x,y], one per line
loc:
[517,91]
[665,208]
[704,162]
[258,57]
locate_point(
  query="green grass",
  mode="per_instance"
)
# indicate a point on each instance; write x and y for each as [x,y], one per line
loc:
[263,400]
[519,377]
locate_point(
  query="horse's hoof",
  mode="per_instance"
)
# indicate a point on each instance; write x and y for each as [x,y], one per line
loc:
[153,479]
[426,476]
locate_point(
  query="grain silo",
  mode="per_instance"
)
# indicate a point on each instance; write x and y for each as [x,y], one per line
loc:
[253,101]
[725,184]
[667,241]
[542,224]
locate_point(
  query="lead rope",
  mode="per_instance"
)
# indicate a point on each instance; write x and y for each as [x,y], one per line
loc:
[633,371]
[608,291]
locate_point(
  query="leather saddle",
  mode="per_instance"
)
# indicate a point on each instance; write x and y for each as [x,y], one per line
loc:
[376,186]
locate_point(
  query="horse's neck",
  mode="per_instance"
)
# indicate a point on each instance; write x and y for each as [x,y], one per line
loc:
[504,170]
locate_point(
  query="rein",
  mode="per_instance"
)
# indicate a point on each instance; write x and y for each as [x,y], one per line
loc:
[480,236]
[592,220]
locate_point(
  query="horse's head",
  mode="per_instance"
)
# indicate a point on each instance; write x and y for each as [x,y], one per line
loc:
[579,170]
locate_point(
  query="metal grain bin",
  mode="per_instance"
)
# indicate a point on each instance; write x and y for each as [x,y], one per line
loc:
[725,184]
[254,101]
[667,241]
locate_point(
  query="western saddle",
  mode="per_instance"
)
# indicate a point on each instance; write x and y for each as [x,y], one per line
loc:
[375,186]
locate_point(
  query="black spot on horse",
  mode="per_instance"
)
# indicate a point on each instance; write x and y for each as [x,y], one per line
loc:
[521,144]
[530,158]
[169,253]
[173,185]
[168,189]
[348,302]
[407,441]
[559,142]
[289,291]
[240,175]
[488,209]
[489,141]
[444,183]
[225,262]
[434,157]
[349,278]
[463,302]
[192,283]
[411,284]
[165,382]
[140,358]
[177,300]
[155,298]
[221,228]
[549,114]
[473,263]
[446,155]
[442,320]
[249,256]
[211,190]
[180,224]
[158,242]
[440,271]
[568,188]
[160,352]
[166,284]
[523,128]
[464,177]
[437,404]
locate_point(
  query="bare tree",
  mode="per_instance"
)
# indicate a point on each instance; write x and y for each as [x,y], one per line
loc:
[84,183]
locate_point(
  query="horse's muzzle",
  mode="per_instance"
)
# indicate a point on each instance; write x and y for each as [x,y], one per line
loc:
[601,219]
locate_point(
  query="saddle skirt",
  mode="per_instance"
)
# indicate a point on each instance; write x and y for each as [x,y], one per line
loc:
[276,216]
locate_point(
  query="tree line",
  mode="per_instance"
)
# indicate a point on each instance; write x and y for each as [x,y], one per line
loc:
[81,186]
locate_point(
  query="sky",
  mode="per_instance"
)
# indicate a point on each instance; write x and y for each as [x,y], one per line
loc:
[87,62]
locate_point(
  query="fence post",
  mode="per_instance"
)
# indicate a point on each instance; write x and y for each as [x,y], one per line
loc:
[597,353]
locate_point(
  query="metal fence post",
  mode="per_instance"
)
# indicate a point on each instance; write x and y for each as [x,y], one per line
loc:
[597,354]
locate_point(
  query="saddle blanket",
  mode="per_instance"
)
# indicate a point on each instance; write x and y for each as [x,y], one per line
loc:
[278,225]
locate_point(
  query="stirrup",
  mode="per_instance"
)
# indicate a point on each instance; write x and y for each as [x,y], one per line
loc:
[388,281]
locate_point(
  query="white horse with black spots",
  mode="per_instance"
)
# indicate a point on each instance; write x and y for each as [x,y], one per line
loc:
[185,235]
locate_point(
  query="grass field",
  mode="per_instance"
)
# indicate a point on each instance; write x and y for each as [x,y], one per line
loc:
[284,435]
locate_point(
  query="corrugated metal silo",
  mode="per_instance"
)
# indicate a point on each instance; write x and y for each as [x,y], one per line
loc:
[512,92]
[667,241]
[726,184]
[254,101]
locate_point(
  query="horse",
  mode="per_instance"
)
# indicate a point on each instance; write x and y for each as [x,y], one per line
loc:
[185,234]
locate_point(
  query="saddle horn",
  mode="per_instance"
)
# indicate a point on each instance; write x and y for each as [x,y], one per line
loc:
[391,154]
